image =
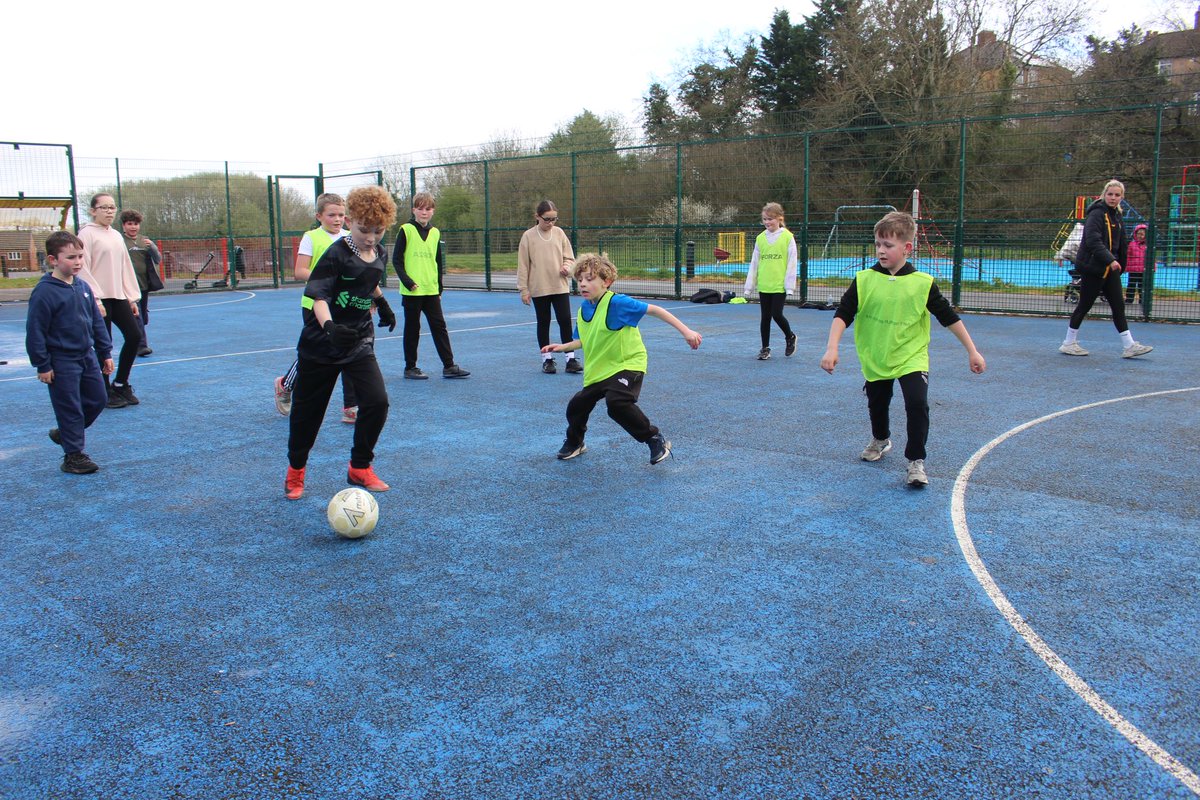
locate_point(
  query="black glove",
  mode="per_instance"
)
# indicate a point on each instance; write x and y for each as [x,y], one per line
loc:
[343,337]
[387,317]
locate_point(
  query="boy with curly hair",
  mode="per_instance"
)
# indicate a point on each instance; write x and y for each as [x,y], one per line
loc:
[338,339]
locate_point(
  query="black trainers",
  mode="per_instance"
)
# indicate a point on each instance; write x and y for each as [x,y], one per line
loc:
[790,349]
[78,464]
[454,371]
[548,366]
[569,450]
[415,374]
[660,448]
[115,400]
[573,366]
[125,393]
[55,436]
[145,351]
[764,354]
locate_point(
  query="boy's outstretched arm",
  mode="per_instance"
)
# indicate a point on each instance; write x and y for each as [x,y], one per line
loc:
[565,347]
[693,338]
[975,358]
[830,359]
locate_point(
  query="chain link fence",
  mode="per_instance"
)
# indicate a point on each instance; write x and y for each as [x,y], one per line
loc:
[995,197]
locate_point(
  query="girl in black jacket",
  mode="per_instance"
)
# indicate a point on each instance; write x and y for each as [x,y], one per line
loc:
[1099,260]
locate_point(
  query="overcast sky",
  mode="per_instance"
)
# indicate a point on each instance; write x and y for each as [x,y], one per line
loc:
[293,84]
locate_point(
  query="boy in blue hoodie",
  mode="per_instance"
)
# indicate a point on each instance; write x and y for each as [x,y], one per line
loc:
[66,341]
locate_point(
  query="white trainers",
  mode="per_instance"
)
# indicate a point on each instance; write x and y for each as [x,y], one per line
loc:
[876,449]
[350,414]
[1134,350]
[916,474]
[1072,349]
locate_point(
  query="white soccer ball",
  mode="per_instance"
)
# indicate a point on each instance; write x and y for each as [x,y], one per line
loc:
[353,513]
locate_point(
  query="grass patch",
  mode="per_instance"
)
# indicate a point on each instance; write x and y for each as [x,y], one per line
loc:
[19,283]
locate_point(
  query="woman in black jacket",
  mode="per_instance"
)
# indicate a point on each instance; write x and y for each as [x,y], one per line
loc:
[1099,260]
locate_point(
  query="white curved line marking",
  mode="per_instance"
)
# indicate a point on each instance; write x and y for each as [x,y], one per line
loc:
[248,296]
[1044,651]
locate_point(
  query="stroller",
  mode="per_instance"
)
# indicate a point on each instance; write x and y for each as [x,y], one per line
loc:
[1071,290]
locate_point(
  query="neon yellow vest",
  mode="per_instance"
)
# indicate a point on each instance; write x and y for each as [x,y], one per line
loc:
[891,329]
[321,240]
[772,261]
[420,260]
[608,352]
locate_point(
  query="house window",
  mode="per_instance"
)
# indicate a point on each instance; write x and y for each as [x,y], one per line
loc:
[14,255]
[1164,67]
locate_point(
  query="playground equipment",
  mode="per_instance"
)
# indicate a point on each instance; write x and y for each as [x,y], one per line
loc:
[1183,222]
[734,246]
[834,238]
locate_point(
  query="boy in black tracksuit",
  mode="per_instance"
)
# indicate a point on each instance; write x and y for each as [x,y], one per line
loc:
[67,341]
[338,337]
[420,263]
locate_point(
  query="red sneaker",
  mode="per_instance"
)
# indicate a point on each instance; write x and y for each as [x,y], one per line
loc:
[293,484]
[366,478]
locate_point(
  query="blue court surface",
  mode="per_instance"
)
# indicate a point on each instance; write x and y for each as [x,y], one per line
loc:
[763,615]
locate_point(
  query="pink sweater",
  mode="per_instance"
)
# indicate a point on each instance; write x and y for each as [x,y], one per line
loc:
[106,264]
[1135,253]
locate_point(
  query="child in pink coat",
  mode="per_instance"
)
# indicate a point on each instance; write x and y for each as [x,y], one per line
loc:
[1135,263]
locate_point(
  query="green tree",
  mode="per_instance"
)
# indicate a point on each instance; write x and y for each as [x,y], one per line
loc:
[194,206]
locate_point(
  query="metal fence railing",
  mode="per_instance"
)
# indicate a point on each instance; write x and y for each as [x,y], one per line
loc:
[994,196]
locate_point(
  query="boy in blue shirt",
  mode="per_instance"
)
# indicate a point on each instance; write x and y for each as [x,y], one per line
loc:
[66,341]
[606,329]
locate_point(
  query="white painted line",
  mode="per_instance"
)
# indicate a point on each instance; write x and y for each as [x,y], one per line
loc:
[1044,651]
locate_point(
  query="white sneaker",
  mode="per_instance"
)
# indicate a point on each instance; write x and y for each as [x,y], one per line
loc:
[350,414]
[916,474]
[876,449]
[1072,349]
[1134,350]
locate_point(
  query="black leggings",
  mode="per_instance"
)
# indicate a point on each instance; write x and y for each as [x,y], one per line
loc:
[771,304]
[1135,285]
[561,304]
[121,313]
[915,386]
[310,399]
[1091,287]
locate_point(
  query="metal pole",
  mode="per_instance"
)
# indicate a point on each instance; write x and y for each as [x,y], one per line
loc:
[1148,275]
[74,189]
[678,220]
[229,231]
[956,292]
[803,266]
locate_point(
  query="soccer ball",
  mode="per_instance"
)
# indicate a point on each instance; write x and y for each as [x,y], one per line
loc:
[353,513]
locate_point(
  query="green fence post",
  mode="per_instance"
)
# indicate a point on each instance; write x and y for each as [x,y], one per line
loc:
[74,188]
[487,226]
[117,164]
[574,285]
[804,229]
[276,267]
[956,292]
[678,221]
[1148,275]
[229,232]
